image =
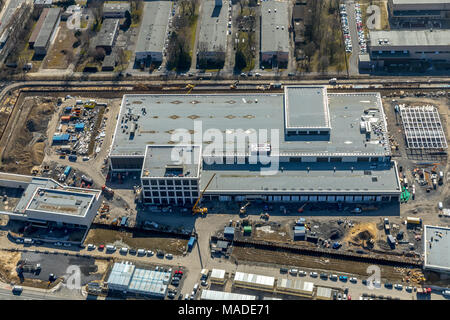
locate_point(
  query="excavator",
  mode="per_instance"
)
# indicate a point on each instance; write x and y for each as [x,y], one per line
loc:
[243,209]
[189,86]
[195,208]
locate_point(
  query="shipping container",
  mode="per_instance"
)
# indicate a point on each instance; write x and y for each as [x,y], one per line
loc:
[65,118]
[413,220]
[67,170]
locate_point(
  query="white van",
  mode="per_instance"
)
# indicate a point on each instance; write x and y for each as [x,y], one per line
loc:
[196,287]
[110,248]
[440,206]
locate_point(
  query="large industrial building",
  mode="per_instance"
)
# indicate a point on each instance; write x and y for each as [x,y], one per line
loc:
[418,12]
[274,25]
[44,202]
[47,31]
[319,147]
[436,242]
[153,32]
[405,46]
[212,38]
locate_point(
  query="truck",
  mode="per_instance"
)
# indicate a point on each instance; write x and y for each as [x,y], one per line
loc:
[391,241]
[191,243]
[107,191]
[423,290]
[386,225]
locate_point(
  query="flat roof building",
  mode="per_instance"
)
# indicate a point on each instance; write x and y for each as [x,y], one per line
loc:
[115,9]
[127,278]
[295,287]
[217,276]
[46,202]
[108,34]
[212,38]
[274,44]
[323,293]
[402,46]
[153,31]
[47,31]
[436,249]
[341,154]
[37,27]
[219,295]
[418,13]
[254,281]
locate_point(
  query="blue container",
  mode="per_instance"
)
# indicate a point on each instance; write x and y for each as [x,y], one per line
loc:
[124,221]
[79,127]
[67,170]
[191,243]
[68,109]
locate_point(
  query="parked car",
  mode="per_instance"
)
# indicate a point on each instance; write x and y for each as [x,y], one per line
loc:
[58,244]
[353,280]
[91,246]
[302,273]
[343,278]
[323,276]
[169,256]
[333,277]
[150,253]
[204,283]
[313,274]
[398,286]
[283,270]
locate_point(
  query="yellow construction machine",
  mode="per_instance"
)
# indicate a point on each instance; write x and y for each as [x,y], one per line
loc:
[195,208]
[243,209]
[189,86]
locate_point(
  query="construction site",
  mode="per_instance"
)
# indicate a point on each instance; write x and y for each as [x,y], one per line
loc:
[329,231]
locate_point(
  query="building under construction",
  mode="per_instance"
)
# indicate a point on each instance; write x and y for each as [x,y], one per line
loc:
[304,145]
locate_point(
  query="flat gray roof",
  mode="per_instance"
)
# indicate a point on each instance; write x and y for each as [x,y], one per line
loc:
[116,6]
[274,26]
[166,114]
[306,107]
[107,34]
[437,248]
[213,26]
[424,2]
[172,161]
[302,178]
[408,38]
[152,32]
[61,201]
[47,27]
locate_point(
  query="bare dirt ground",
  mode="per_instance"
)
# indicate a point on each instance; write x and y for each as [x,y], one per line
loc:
[61,52]
[25,143]
[135,240]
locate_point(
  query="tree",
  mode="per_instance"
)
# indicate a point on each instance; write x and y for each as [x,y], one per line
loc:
[240,61]
[324,62]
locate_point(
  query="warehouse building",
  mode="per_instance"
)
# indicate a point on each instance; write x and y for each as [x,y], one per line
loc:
[418,13]
[47,31]
[254,281]
[37,28]
[153,32]
[219,295]
[107,36]
[436,249]
[116,10]
[324,293]
[295,287]
[217,276]
[405,46]
[44,202]
[212,38]
[274,25]
[325,147]
[127,278]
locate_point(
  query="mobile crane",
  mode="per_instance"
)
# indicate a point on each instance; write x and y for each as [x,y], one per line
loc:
[195,208]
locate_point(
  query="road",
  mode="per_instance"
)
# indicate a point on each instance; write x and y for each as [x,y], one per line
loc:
[37,294]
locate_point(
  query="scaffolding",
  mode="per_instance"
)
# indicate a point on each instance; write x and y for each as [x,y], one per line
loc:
[423,128]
